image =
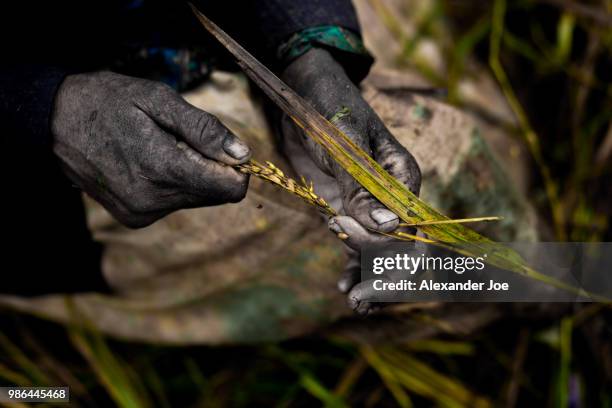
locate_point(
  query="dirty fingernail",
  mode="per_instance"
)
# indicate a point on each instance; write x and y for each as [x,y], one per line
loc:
[383,216]
[334,226]
[236,148]
[344,285]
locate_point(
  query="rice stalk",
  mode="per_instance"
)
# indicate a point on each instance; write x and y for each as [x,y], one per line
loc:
[305,190]
[269,172]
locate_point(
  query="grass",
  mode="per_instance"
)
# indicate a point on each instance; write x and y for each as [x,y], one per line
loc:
[332,372]
[547,53]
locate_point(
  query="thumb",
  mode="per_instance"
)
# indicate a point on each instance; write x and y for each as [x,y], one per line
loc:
[398,161]
[358,202]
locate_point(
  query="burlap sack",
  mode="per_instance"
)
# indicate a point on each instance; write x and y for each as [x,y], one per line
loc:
[266,268]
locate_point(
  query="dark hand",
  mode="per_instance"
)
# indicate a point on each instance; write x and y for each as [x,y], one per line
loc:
[318,78]
[141,150]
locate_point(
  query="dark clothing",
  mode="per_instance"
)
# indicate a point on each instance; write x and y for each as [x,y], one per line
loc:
[49,40]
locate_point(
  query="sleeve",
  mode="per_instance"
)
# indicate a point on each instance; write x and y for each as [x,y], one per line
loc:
[44,214]
[26,102]
[293,27]
[278,31]
[279,19]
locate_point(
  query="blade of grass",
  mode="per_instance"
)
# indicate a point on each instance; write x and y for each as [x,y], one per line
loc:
[403,379]
[351,375]
[580,9]
[306,378]
[531,138]
[392,384]
[58,371]
[29,368]
[14,377]
[319,391]
[109,369]
[155,384]
[565,351]
[514,382]
[565,33]
[441,347]
[460,52]
[121,383]
[423,379]
[14,405]
[453,221]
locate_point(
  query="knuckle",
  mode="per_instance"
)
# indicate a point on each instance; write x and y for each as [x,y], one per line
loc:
[236,195]
[134,221]
[137,223]
[414,172]
[237,192]
[157,96]
[397,160]
[203,126]
[161,89]
[140,205]
[141,223]
[357,198]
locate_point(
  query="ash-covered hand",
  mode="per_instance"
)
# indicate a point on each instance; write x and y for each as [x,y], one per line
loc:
[141,150]
[318,78]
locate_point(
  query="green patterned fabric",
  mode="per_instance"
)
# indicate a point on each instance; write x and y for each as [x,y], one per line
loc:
[333,37]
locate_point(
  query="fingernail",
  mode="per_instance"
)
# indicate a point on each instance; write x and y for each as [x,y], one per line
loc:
[236,148]
[344,285]
[333,226]
[382,216]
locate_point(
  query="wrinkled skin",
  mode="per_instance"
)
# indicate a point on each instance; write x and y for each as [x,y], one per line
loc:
[318,78]
[141,150]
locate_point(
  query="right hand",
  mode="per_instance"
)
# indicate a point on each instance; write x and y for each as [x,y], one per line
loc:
[141,150]
[322,81]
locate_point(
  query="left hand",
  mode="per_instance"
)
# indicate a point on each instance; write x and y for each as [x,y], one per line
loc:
[322,81]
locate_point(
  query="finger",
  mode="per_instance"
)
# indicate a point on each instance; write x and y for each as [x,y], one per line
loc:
[357,300]
[364,298]
[356,201]
[397,160]
[359,203]
[352,272]
[185,179]
[394,158]
[363,207]
[209,180]
[354,234]
[202,131]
